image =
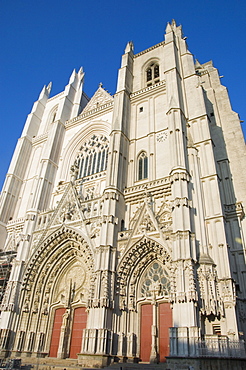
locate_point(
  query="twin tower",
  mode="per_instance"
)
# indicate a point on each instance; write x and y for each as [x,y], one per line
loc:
[123,219]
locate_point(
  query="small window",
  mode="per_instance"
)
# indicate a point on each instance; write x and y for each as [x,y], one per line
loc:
[141,109]
[142,166]
[216,329]
[152,74]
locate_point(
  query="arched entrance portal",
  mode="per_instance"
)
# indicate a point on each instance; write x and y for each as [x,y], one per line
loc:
[57,286]
[143,284]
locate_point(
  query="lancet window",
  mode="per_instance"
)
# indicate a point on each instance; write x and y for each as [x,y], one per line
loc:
[92,157]
[152,74]
[142,166]
[51,118]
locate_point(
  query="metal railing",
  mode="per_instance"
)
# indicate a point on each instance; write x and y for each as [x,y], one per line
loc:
[220,347]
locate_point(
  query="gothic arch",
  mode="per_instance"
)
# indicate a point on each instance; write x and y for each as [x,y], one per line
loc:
[132,265]
[142,166]
[51,117]
[70,152]
[147,64]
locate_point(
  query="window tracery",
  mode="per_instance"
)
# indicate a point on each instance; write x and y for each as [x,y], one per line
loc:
[155,279]
[142,166]
[152,74]
[93,156]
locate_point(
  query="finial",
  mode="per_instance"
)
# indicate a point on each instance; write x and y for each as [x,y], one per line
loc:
[72,77]
[168,28]
[45,91]
[100,84]
[129,47]
[49,87]
[42,93]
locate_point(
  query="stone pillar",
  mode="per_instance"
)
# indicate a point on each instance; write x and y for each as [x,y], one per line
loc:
[184,252]
[101,314]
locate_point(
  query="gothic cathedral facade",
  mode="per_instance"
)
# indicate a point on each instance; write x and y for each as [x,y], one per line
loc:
[125,217]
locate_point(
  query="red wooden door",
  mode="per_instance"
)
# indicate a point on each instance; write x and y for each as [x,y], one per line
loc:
[56,332]
[165,322]
[79,323]
[145,331]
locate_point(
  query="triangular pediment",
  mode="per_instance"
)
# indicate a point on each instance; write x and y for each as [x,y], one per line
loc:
[100,97]
[68,210]
[144,220]
[146,223]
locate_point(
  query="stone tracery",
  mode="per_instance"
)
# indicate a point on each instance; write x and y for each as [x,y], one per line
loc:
[155,278]
[92,157]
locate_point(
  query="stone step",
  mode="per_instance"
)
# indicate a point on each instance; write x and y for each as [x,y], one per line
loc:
[140,366]
[30,363]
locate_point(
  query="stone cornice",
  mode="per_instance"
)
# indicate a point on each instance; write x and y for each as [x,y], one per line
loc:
[149,49]
[56,96]
[40,139]
[15,224]
[137,192]
[234,210]
[92,114]
[159,86]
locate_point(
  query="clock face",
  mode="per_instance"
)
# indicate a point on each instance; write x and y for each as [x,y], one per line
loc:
[162,136]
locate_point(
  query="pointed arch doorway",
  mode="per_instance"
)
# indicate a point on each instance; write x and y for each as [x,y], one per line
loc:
[70,319]
[155,314]
[154,339]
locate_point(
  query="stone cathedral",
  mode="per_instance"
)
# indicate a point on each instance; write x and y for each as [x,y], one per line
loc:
[122,219]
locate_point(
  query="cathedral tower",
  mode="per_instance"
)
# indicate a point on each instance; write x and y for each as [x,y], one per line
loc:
[124,217]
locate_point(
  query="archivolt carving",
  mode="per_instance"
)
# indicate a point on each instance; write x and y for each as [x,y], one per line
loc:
[132,265]
[64,255]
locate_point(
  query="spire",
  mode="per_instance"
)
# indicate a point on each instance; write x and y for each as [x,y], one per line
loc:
[45,91]
[49,87]
[198,64]
[72,77]
[81,72]
[168,28]
[129,47]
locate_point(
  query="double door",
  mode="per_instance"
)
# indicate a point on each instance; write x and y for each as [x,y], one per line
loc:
[154,331]
[72,337]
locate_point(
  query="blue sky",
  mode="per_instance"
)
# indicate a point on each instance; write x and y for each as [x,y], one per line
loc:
[43,41]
